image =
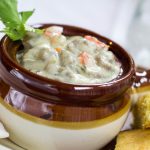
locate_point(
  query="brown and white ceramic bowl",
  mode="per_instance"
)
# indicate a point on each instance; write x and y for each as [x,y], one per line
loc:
[46,114]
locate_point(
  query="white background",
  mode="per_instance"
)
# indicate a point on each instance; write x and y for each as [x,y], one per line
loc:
[107,17]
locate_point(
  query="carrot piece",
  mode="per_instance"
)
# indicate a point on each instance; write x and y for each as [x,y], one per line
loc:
[83,58]
[58,49]
[52,31]
[47,33]
[95,40]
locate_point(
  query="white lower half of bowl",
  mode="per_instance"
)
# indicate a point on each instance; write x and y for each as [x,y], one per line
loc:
[33,133]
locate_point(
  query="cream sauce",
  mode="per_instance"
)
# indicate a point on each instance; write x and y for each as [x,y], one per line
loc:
[69,59]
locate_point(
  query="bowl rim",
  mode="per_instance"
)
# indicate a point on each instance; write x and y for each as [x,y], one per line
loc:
[22,69]
[68,86]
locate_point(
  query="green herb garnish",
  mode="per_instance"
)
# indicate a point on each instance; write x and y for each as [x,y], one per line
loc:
[14,21]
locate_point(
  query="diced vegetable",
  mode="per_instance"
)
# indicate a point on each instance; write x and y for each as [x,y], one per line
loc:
[83,58]
[54,30]
[95,40]
[58,49]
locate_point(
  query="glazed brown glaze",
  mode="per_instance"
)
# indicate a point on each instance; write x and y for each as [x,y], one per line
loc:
[56,92]
[53,100]
[57,112]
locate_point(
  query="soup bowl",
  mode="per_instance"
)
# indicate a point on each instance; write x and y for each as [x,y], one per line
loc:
[42,113]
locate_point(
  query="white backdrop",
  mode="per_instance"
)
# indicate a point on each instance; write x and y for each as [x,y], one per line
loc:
[107,17]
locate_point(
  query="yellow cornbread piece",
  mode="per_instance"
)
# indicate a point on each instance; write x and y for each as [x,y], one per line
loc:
[142,112]
[133,140]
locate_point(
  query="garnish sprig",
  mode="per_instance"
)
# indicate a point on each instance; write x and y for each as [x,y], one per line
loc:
[14,21]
